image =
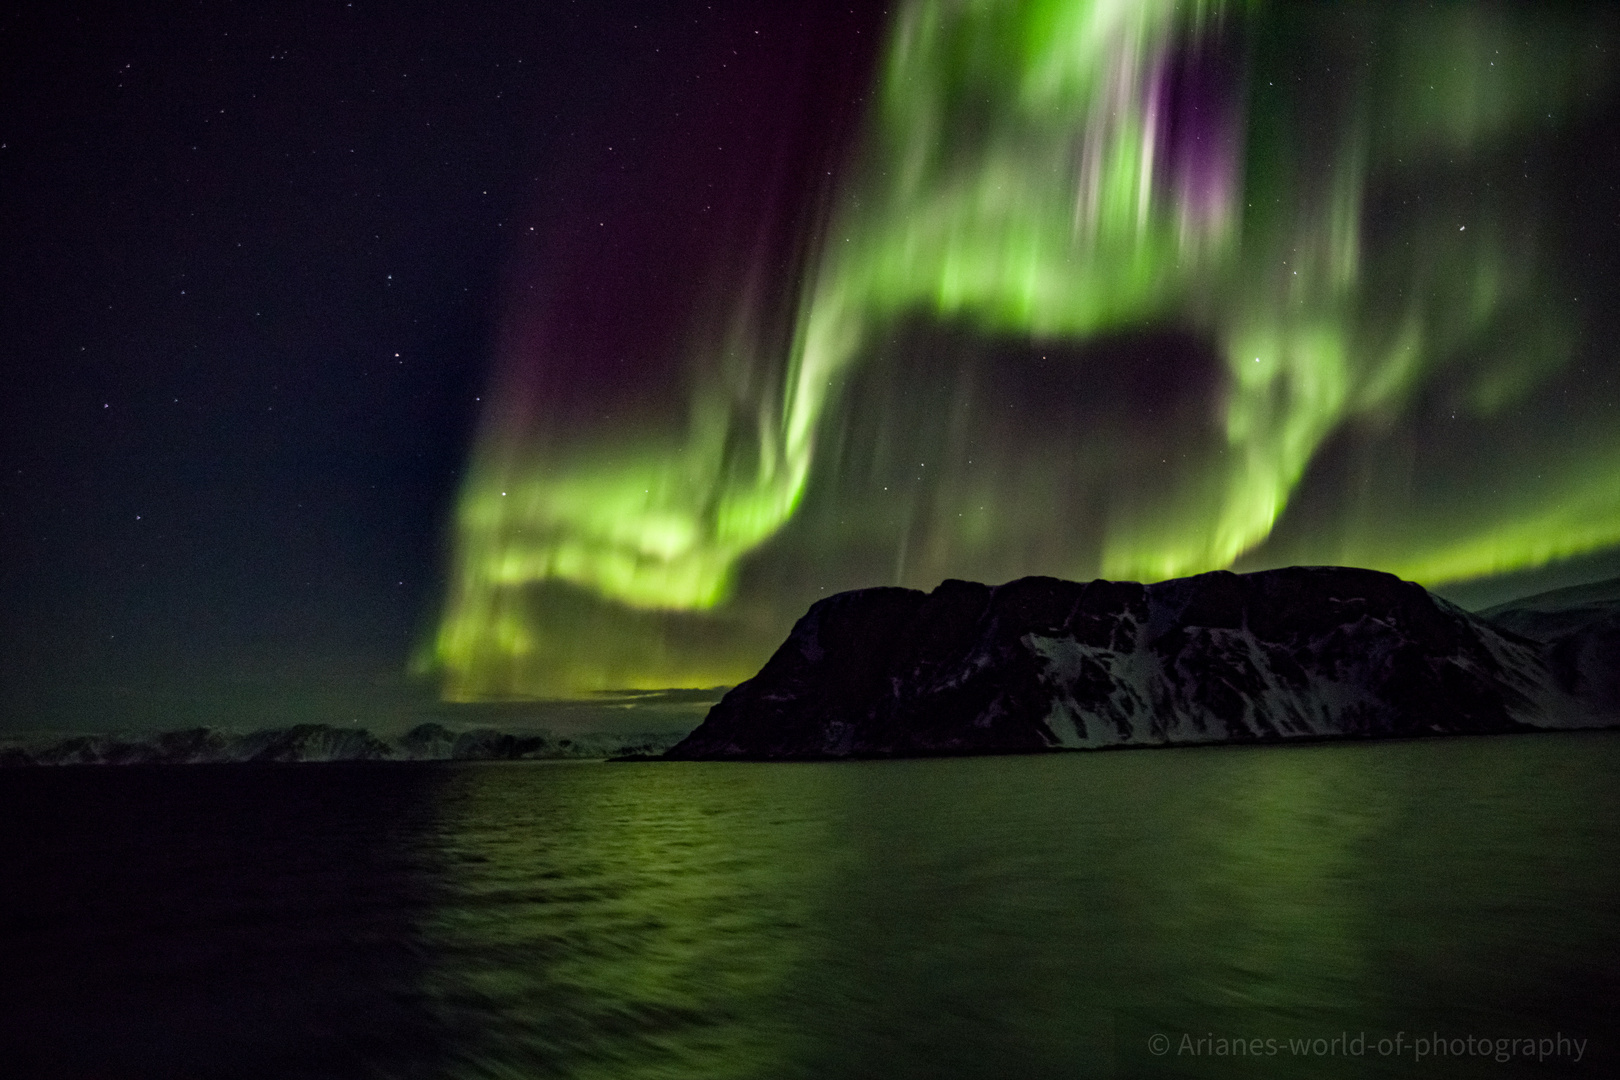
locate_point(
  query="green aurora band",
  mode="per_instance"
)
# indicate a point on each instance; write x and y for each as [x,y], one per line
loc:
[1041,176]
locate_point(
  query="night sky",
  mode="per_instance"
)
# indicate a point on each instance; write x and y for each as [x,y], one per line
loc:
[253,266]
[357,353]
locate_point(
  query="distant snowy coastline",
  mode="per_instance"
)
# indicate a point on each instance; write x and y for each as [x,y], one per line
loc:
[323,742]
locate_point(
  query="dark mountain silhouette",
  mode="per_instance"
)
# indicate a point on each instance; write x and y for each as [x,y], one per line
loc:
[1041,664]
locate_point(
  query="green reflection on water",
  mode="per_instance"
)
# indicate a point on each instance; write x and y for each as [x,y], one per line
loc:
[621,922]
[1024,916]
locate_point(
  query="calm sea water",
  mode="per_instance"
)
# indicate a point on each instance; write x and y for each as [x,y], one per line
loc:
[1327,906]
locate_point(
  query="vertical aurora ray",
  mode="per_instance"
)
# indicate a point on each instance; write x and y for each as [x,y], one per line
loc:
[1100,282]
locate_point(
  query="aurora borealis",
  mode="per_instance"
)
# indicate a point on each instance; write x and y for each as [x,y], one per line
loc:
[1132,290]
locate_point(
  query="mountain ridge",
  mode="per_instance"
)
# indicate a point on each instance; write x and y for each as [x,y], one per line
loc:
[1045,664]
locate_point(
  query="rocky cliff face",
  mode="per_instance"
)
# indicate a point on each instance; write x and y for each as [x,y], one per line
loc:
[1038,663]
